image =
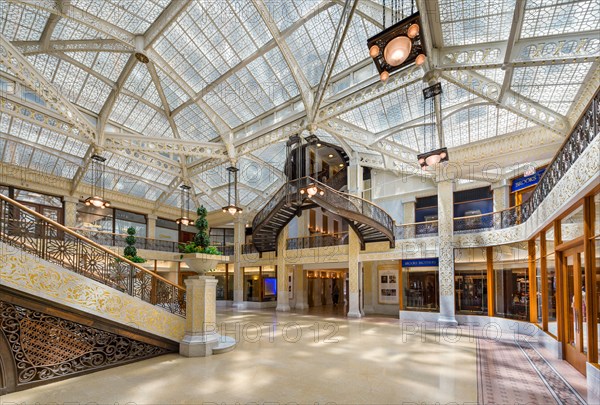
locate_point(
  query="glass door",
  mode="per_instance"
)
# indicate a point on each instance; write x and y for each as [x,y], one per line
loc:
[575,322]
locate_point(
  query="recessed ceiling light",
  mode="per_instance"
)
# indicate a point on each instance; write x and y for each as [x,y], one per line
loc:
[330,155]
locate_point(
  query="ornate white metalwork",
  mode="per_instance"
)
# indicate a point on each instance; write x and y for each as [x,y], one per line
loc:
[177,146]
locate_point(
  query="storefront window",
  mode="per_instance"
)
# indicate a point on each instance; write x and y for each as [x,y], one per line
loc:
[36,198]
[420,288]
[269,276]
[126,219]
[252,284]
[571,226]
[511,295]
[96,219]
[470,277]
[167,230]
[538,281]
[221,275]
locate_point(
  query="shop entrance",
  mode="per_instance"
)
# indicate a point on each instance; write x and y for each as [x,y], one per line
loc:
[327,290]
[575,345]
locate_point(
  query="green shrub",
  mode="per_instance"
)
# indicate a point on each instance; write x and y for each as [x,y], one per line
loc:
[130,252]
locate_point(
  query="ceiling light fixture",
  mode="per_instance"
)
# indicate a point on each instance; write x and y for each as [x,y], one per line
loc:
[232,208]
[97,198]
[400,44]
[184,219]
[437,156]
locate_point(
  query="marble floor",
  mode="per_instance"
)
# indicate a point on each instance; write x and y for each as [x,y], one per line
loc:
[307,358]
[318,356]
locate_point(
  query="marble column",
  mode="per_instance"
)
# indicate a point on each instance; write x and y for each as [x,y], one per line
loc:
[501,192]
[446,251]
[151,226]
[355,176]
[353,275]
[70,211]
[201,317]
[283,297]
[300,287]
[239,238]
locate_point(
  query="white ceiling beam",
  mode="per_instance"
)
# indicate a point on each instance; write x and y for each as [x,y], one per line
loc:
[80,16]
[165,145]
[164,20]
[295,69]
[515,31]
[432,30]
[555,49]
[48,30]
[82,45]
[336,47]
[172,188]
[15,62]
[106,109]
[373,17]
[489,90]
[87,159]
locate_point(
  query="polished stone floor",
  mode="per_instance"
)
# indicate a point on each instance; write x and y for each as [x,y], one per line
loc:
[307,358]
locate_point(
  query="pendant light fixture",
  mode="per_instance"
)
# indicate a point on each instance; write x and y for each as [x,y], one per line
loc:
[97,198]
[184,219]
[232,208]
[437,156]
[400,44]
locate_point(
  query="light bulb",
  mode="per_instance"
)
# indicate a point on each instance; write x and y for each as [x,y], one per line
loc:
[433,160]
[413,31]
[420,59]
[312,190]
[232,210]
[374,51]
[384,76]
[397,50]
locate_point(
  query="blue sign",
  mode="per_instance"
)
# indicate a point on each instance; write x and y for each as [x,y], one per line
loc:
[526,181]
[433,262]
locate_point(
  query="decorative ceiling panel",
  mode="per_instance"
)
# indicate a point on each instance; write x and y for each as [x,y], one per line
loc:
[552,17]
[20,23]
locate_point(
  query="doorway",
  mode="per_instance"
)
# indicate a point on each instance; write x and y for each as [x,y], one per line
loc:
[575,345]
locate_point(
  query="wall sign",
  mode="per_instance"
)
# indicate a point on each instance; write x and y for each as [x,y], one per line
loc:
[526,181]
[388,286]
[430,262]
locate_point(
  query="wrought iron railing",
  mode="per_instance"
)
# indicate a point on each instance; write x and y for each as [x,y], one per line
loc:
[583,133]
[492,220]
[118,240]
[317,241]
[416,230]
[42,237]
[248,249]
[339,180]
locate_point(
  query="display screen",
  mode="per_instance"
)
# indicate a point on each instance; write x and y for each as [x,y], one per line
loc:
[270,284]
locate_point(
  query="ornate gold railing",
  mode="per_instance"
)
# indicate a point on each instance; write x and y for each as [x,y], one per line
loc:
[42,237]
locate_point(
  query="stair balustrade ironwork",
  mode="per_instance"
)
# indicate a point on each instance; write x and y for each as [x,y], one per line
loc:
[42,237]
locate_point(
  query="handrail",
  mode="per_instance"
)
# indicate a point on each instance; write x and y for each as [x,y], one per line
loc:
[117,258]
[174,246]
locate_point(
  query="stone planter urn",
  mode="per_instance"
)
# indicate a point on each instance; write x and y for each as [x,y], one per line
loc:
[201,263]
[201,337]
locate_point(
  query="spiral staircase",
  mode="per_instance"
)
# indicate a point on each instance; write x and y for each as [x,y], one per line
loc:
[369,222]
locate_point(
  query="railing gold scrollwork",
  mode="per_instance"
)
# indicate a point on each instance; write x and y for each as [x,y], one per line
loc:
[42,237]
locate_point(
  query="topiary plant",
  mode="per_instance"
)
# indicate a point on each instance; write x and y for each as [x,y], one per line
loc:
[130,251]
[201,239]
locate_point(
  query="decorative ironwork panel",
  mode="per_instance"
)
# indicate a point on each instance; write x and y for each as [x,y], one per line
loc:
[45,347]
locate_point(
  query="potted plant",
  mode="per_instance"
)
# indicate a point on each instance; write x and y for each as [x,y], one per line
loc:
[130,252]
[198,254]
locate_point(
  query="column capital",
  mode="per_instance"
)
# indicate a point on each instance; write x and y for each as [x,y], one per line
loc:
[152,216]
[501,183]
[411,200]
[70,199]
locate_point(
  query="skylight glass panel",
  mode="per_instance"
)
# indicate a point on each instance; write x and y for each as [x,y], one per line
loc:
[174,94]
[44,64]
[311,43]
[20,23]
[285,13]
[274,155]
[452,95]
[140,117]
[354,49]
[553,86]
[193,124]
[496,75]
[479,123]
[140,83]
[107,64]
[475,21]
[67,29]
[208,203]
[257,175]
[43,162]
[209,38]
[414,138]
[246,197]
[133,16]
[552,17]
[216,176]
[173,200]
[216,101]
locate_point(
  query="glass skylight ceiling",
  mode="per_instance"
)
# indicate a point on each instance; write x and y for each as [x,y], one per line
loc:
[220,54]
